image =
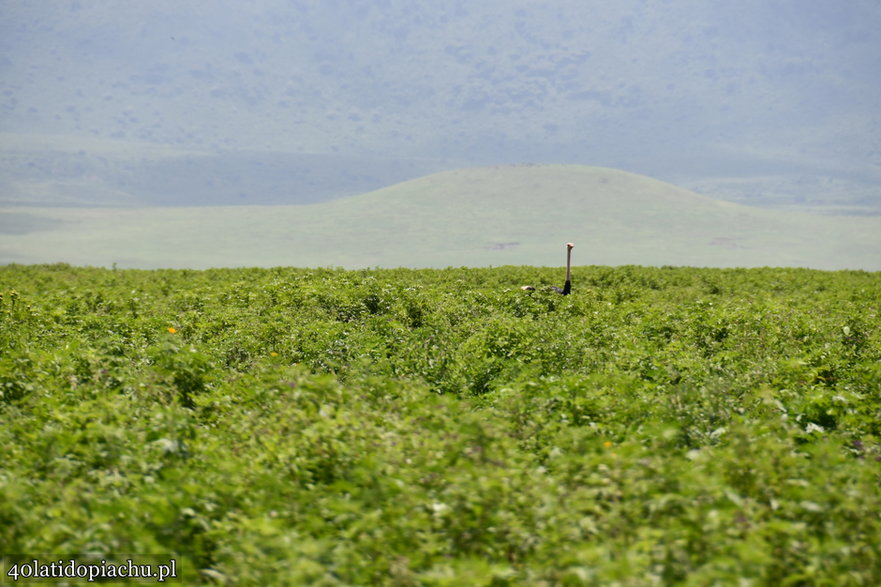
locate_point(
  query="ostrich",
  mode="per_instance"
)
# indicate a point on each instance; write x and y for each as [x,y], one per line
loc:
[567,287]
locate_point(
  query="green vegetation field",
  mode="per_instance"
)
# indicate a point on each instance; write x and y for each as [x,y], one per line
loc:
[442,427]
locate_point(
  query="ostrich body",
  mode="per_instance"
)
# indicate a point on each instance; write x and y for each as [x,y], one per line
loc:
[567,287]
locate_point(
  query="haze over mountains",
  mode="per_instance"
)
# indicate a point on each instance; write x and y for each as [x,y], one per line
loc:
[158,103]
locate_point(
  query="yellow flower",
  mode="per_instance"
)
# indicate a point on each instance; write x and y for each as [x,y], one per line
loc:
[273,354]
[172,329]
[608,444]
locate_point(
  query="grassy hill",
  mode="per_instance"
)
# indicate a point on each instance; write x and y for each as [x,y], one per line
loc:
[474,217]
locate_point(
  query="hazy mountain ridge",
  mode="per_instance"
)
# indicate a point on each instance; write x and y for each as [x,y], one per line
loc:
[674,90]
[122,173]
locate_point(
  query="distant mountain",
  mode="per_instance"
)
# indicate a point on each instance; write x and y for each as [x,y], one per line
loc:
[69,172]
[475,217]
[762,102]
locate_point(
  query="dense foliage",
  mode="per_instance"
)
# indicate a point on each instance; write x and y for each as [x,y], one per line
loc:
[443,427]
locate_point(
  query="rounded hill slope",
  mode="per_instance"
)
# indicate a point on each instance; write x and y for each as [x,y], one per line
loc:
[520,213]
[504,215]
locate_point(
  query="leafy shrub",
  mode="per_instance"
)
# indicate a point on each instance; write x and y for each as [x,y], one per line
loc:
[292,426]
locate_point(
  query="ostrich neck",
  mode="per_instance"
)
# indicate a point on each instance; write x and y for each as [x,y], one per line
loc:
[568,264]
